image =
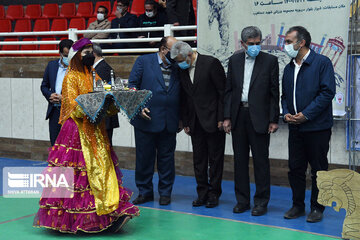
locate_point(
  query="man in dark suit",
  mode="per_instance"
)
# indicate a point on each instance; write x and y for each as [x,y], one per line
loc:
[155,129]
[103,69]
[251,113]
[180,13]
[203,84]
[123,19]
[51,87]
[308,91]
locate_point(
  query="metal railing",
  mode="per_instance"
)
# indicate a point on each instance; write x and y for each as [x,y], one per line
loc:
[73,34]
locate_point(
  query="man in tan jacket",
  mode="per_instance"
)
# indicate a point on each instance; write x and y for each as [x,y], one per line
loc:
[101,23]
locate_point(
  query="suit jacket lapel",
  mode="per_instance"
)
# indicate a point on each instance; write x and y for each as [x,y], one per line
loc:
[197,73]
[157,70]
[238,70]
[256,69]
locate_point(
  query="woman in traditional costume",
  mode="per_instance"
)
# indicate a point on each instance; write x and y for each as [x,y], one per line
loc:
[99,200]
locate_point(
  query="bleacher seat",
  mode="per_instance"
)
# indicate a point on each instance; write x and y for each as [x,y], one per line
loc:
[33,11]
[48,46]
[137,7]
[113,9]
[15,12]
[59,24]
[85,9]
[5,25]
[22,25]
[51,10]
[10,47]
[29,47]
[2,12]
[41,25]
[68,10]
[102,3]
[90,20]
[78,23]
[195,9]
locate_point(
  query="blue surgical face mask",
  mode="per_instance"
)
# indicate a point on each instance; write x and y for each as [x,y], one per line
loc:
[184,64]
[290,51]
[65,61]
[253,50]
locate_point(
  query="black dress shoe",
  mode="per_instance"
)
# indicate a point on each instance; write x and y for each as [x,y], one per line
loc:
[212,202]
[164,200]
[239,208]
[118,224]
[198,202]
[143,199]
[314,216]
[294,212]
[258,211]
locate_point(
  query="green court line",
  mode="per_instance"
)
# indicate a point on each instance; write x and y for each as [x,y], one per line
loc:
[152,224]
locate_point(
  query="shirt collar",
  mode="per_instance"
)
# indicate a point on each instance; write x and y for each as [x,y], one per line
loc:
[247,57]
[160,61]
[61,65]
[194,63]
[303,59]
[95,64]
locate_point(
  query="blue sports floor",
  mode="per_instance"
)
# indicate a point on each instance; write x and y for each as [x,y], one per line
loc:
[184,193]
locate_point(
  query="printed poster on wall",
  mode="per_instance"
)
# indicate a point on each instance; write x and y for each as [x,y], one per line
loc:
[221,21]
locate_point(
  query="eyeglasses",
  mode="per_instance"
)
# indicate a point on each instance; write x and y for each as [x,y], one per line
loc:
[100,12]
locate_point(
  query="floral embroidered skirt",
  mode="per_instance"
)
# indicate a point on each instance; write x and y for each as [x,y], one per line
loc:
[78,212]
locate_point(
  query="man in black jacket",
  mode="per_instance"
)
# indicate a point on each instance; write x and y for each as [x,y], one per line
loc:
[123,19]
[103,69]
[203,83]
[251,113]
[179,13]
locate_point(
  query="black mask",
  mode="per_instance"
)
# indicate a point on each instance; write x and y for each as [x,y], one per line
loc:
[88,59]
[168,57]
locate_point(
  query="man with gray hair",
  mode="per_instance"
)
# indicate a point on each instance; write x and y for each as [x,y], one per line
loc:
[103,69]
[202,79]
[251,113]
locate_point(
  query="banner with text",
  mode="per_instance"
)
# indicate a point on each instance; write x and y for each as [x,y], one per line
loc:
[326,20]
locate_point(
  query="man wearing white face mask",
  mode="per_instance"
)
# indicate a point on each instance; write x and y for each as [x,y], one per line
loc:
[251,113]
[151,18]
[101,23]
[51,87]
[308,88]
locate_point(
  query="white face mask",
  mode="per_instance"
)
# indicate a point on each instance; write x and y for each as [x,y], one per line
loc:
[150,14]
[290,51]
[100,16]
[119,9]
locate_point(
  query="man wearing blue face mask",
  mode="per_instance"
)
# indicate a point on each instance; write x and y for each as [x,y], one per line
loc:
[51,87]
[251,113]
[308,89]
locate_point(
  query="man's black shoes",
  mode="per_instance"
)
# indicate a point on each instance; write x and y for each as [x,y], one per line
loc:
[294,212]
[164,200]
[143,199]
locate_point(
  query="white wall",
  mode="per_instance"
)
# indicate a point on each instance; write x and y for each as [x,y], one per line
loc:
[23,108]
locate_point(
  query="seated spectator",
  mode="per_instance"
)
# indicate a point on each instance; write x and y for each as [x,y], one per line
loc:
[181,12]
[151,18]
[123,19]
[100,24]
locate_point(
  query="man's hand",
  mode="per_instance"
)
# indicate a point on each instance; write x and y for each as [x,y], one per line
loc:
[145,114]
[55,98]
[299,118]
[187,130]
[227,126]
[220,125]
[176,24]
[273,127]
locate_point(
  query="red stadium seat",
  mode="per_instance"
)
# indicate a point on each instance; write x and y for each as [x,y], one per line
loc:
[33,11]
[78,23]
[111,18]
[48,46]
[41,25]
[85,9]
[113,9]
[15,12]
[90,20]
[137,7]
[5,25]
[29,47]
[102,3]
[195,9]
[51,10]
[2,11]
[59,24]
[10,47]
[22,25]
[68,10]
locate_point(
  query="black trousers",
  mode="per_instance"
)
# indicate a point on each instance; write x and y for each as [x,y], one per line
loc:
[307,148]
[208,157]
[54,126]
[110,135]
[245,138]
[151,146]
